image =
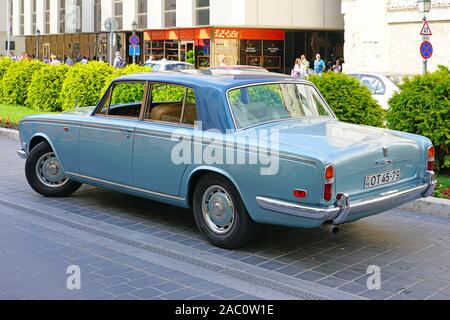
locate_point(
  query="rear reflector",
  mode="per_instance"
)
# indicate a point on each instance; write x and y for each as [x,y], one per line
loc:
[300,193]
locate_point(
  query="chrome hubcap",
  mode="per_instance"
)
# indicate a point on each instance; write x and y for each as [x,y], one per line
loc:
[218,209]
[49,171]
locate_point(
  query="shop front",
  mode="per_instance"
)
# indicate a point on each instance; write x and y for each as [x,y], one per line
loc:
[190,45]
[209,47]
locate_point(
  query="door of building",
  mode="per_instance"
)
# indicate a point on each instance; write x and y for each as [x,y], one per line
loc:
[186,51]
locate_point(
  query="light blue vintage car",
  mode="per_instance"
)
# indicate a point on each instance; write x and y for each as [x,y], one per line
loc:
[239,150]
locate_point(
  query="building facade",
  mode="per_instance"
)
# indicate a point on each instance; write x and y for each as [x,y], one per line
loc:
[16,44]
[384,35]
[207,32]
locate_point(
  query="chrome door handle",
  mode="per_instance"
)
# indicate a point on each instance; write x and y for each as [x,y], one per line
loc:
[127,132]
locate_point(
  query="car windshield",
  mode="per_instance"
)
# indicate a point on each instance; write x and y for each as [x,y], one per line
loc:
[179,66]
[257,104]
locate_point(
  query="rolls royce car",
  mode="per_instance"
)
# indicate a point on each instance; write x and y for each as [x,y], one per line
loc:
[237,150]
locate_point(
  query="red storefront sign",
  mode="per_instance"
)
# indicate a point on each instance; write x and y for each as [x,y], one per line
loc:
[222,33]
[261,34]
[178,34]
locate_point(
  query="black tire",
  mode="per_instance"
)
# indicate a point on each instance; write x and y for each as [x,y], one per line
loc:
[35,182]
[243,229]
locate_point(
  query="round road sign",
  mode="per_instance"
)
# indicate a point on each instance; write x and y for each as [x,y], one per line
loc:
[134,39]
[426,50]
[111,24]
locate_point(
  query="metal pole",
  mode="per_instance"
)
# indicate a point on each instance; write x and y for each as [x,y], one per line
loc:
[111,47]
[425,61]
[8,27]
[134,52]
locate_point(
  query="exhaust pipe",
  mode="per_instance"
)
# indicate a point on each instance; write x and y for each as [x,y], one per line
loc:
[331,228]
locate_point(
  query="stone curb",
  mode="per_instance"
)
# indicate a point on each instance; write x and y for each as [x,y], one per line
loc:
[429,206]
[9,134]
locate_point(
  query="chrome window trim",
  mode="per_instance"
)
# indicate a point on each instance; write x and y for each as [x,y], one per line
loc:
[154,193]
[278,120]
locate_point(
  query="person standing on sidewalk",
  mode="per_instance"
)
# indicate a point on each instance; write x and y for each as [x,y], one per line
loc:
[319,65]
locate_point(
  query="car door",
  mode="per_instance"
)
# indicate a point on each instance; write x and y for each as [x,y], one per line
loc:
[106,139]
[170,116]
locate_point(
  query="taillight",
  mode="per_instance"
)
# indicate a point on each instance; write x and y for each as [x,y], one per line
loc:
[431,157]
[329,180]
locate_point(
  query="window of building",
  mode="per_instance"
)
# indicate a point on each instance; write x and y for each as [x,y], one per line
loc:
[62,14]
[47,16]
[170,13]
[118,12]
[142,14]
[202,12]
[22,17]
[98,15]
[79,15]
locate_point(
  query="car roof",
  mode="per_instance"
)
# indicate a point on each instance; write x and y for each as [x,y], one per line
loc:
[202,80]
[169,62]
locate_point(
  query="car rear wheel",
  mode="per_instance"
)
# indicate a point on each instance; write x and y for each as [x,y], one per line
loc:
[45,174]
[220,213]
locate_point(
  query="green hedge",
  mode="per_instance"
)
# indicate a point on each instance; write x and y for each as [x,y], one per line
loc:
[84,84]
[16,81]
[136,91]
[349,99]
[5,63]
[45,88]
[423,107]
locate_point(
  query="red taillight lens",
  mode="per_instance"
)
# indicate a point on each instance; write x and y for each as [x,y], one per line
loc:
[327,191]
[431,157]
[329,179]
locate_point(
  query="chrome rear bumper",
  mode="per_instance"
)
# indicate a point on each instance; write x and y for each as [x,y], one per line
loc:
[343,209]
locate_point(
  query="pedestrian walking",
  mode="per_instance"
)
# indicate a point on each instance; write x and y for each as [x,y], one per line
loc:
[54,60]
[84,60]
[296,71]
[118,61]
[69,61]
[319,65]
[304,67]
[337,68]
[13,56]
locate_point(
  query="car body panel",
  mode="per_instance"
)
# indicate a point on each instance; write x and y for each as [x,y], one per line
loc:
[135,156]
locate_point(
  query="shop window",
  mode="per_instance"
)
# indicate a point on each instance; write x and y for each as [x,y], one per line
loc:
[202,12]
[170,13]
[171,50]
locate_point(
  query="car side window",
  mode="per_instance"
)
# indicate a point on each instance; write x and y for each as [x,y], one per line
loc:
[172,103]
[124,100]
[374,84]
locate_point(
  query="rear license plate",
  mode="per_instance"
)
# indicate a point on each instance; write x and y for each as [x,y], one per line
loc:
[381,179]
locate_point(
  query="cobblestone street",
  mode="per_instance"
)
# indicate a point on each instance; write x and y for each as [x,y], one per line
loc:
[131,248]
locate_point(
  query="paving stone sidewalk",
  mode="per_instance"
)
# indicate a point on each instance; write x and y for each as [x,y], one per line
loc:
[413,251]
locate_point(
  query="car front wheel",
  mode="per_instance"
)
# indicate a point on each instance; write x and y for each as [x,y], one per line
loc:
[45,174]
[220,213]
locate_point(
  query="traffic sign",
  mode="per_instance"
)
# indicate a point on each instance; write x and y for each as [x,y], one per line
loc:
[134,39]
[111,24]
[426,31]
[426,50]
[134,50]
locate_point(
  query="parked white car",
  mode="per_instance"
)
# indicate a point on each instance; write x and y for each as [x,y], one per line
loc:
[382,86]
[166,65]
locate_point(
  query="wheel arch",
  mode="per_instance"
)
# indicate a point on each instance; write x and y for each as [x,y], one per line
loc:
[41,137]
[199,172]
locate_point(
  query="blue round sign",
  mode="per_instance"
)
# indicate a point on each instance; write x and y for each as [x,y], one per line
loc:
[134,39]
[426,50]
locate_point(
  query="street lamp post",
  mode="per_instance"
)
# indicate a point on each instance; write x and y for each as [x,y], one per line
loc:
[424,9]
[38,34]
[134,26]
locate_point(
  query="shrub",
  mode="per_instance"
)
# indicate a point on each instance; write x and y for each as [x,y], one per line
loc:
[5,63]
[129,69]
[46,87]
[16,81]
[423,107]
[349,99]
[84,84]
